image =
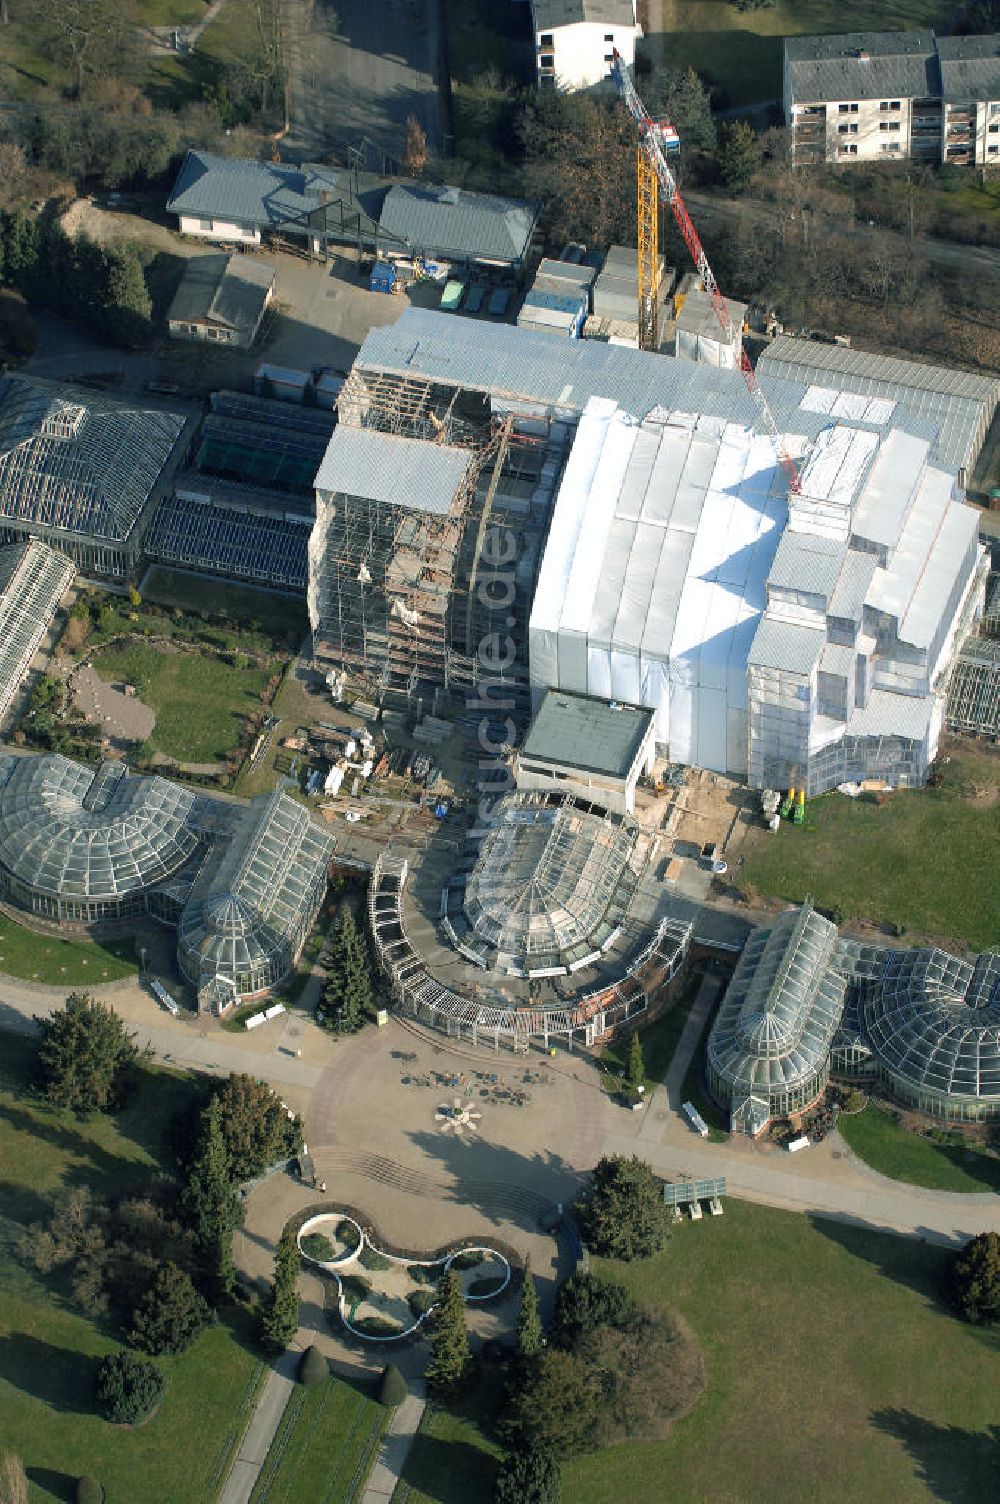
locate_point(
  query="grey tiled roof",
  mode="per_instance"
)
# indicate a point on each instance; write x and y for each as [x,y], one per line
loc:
[552,13]
[452,222]
[272,195]
[898,65]
[229,290]
[970,68]
[388,468]
[580,731]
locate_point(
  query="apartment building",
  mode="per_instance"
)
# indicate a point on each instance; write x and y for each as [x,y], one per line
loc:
[892,96]
[575,40]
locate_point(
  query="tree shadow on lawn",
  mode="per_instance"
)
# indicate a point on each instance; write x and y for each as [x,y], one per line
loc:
[61,1377]
[956,1466]
[91,1165]
[61,1486]
[920,1266]
[449,1472]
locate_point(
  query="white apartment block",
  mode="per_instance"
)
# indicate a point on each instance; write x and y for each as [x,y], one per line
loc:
[893,95]
[575,40]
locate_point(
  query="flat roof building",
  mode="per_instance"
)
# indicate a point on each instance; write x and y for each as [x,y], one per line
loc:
[596,750]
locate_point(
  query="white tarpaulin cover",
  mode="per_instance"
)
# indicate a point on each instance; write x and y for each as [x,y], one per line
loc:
[654,573]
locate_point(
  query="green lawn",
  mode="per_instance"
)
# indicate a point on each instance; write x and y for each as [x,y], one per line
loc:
[741,51]
[904,1155]
[924,861]
[324,1447]
[453,1459]
[200,702]
[46,958]
[659,1041]
[48,1352]
[833,1375]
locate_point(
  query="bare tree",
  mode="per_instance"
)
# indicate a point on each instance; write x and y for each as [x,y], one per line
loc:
[414,147]
[91,36]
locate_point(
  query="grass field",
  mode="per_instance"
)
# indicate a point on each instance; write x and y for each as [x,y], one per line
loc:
[70,963]
[659,1041]
[834,1375]
[200,702]
[904,1155]
[453,1459]
[741,52]
[281,618]
[925,861]
[48,1352]
[324,1447]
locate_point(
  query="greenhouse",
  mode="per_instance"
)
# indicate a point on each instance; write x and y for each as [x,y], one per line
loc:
[79,470]
[769,1049]
[85,844]
[932,1021]
[551,887]
[254,903]
[33,580]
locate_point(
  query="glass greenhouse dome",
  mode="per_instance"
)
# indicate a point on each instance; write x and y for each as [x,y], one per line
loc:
[769,1049]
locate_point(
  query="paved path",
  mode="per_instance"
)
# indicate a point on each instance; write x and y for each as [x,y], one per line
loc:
[669,1094]
[395,1447]
[261,1431]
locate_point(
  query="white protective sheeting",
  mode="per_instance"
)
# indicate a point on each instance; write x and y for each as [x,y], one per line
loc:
[655,571]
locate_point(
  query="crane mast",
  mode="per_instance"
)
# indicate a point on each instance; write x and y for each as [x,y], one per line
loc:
[654,172]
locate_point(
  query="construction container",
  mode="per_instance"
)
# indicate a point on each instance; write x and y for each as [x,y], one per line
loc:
[383,277]
[555,313]
[281,383]
[328,389]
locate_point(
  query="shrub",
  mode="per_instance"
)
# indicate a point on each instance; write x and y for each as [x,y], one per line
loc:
[393,1388]
[424,1274]
[974,1280]
[585,1301]
[375,1326]
[315,1246]
[127,1387]
[348,1233]
[854,1101]
[313,1367]
[420,1301]
[484,1287]
[370,1258]
[89,1491]
[528,1477]
[468,1258]
[356,1285]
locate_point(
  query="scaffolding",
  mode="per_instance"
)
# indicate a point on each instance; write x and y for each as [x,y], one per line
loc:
[974,690]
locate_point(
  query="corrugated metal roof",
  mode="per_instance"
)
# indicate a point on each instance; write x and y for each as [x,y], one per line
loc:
[387,468]
[838,660]
[848,598]
[581,731]
[786,646]
[888,714]
[862,65]
[453,222]
[970,68]
[959,403]
[806,562]
[550,14]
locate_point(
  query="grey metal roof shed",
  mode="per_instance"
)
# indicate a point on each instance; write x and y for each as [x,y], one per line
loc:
[220,289]
[389,468]
[453,223]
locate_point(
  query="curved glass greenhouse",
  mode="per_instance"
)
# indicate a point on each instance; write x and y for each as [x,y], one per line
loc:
[254,903]
[933,1023]
[769,1049]
[85,844]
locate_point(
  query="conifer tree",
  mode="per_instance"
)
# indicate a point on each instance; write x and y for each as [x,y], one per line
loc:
[450,1352]
[280,1317]
[636,1064]
[210,1206]
[349,997]
[529,1324]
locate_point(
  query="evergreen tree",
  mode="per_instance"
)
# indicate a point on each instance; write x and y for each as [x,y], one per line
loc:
[621,1213]
[450,1352]
[21,244]
[280,1317]
[740,155]
[974,1279]
[529,1324]
[528,1477]
[210,1206]
[636,1064]
[256,1128]
[127,310]
[85,1055]
[349,997]
[170,1315]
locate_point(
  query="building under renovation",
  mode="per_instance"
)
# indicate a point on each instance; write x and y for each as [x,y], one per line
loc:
[33,580]
[650,552]
[805,1002]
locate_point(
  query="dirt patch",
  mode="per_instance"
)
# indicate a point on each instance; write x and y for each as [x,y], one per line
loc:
[122,717]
